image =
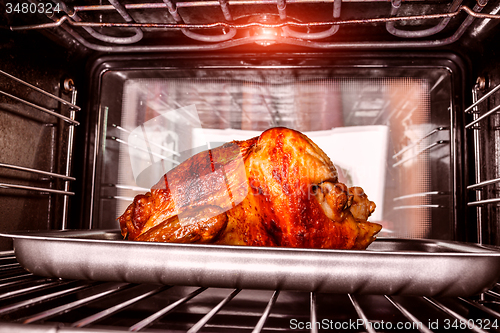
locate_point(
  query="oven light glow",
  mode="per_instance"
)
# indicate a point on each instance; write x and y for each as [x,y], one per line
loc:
[266,36]
[265,33]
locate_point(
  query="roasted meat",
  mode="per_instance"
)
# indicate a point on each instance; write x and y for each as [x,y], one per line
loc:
[278,189]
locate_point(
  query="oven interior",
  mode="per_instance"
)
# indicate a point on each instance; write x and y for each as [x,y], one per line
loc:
[404,103]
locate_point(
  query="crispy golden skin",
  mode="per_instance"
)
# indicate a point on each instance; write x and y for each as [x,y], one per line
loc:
[278,189]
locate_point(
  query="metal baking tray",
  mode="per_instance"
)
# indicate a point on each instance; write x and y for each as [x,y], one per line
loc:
[389,266]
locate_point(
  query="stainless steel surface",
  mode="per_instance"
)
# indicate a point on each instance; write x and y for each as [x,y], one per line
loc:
[389,266]
[70,306]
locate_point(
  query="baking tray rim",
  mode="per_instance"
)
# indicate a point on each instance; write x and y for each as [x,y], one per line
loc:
[462,248]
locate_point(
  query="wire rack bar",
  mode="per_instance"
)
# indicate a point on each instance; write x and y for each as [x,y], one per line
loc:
[10,271]
[120,197]
[199,325]
[481,307]
[7,258]
[17,279]
[129,187]
[494,294]
[487,114]
[483,184]
[73,305]
[149,320]
[452,313]
[40,299]
[418,206]
[69,156]
[435,144]
[45,284]
[477,160]
[260,324]
[482,99]
[21,278]
[38,189]
[144,150]
[71,105]
[41,108]
[422,328]
[45,173]
[9,266]
[423,194]
[173,152]
[405,149]
[361,314]
[110,311]
[313,315]
[483,202]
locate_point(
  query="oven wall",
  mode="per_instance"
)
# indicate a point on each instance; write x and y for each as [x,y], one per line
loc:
[31,138]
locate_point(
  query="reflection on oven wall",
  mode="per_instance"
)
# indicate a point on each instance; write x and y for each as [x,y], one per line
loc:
[378,132]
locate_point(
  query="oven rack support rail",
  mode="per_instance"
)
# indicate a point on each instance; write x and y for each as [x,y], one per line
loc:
[414,152]
[70,121]
[284,34]
[473,125]
[479,118]
[30,303]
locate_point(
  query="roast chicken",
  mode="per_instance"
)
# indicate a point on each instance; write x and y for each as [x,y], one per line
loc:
[278,189]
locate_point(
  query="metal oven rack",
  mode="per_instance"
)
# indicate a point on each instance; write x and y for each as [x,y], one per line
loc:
[484,112]
[222,24]
[29,303]
[49,176]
